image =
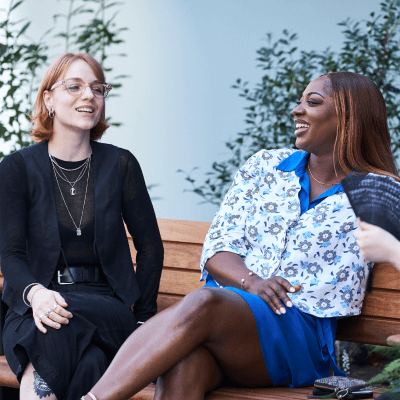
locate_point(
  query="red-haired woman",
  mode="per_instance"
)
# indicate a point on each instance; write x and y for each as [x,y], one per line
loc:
[280,260]
[69,279]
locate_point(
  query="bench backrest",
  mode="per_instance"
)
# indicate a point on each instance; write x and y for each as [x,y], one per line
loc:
[183,242]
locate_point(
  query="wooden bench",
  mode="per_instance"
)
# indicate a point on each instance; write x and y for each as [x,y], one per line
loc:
[183,243]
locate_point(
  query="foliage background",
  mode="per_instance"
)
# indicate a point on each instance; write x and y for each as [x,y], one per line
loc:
[370,47]
[177,106]
[24,60]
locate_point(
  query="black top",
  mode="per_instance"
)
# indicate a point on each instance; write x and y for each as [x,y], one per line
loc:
[71,208]
[82,249]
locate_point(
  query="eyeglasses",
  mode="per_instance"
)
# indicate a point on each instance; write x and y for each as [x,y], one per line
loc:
[76,87]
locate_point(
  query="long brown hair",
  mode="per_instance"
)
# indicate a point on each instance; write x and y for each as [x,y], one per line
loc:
[363,140]
[42,127]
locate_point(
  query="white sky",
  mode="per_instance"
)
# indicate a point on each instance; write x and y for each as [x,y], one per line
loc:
[177,107]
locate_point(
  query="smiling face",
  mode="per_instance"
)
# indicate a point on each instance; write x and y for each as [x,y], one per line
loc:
[76,114]
[316,119]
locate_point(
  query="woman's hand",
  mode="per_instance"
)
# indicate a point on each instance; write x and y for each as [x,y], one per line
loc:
[376,244]
[48,308]
[271,289]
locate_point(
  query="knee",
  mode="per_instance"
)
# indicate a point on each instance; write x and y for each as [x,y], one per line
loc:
[93,359]
[199,305]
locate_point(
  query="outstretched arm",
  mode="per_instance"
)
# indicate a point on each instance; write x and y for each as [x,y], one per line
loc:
[377,245]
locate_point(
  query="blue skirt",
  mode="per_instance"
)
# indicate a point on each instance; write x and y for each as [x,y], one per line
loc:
[298,348]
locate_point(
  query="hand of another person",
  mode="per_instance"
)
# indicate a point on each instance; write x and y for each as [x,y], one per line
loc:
[271,289]
[376,244]
[48,308]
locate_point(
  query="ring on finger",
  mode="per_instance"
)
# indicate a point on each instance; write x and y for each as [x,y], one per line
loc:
[54,307]
[41,317]
[48,313]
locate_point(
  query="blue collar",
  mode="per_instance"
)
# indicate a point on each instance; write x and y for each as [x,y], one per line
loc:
[297,162]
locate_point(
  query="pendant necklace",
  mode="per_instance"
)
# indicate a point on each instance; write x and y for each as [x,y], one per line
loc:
[77,227]
[84,167]
[322,183]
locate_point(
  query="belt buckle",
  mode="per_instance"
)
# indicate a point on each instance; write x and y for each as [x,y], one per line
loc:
[59,276]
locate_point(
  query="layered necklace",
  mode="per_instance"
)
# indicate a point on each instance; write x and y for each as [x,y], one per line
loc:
[59,172]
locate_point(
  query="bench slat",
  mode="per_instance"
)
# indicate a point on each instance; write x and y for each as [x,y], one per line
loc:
[367,330]
[178,255]
[179,282]
[278,393]
[182,231]
[166,300]
[385,276]
[7,376]
[381,303]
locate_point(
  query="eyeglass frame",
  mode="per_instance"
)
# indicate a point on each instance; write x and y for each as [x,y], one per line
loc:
[107,87]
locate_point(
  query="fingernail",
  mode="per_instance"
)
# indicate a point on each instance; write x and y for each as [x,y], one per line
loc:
[277,311]
[58,326]
[66,321]
[289,304]
[283,311]
[292,289]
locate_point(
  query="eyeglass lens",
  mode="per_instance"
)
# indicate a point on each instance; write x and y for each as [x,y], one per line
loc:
[75,87]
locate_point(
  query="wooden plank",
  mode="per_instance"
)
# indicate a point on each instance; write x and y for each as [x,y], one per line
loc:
[385,276]
[177,255]
[182,231]
[166,300]
[278,393]
[7,377]
[370,330]
[179,281]
[382,303]
[182,255]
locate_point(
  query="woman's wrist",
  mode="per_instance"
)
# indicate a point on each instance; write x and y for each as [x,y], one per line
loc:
[249,281]
[32,292]
[229,269]
[26,292]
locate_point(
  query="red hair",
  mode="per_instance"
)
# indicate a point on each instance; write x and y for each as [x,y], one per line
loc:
[42,128]
[363,140]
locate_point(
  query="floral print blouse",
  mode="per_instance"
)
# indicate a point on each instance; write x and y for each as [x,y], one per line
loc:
[263,220]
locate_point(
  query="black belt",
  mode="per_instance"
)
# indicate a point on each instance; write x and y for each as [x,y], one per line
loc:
[81,274]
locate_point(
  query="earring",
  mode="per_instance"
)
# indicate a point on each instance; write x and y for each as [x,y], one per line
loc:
[51,113]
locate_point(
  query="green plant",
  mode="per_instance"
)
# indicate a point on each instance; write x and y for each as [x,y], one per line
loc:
[391,372]
[19,65]
[369,48]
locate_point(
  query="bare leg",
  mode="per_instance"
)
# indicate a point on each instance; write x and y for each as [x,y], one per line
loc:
[190,378]
[33,387]
[220,320]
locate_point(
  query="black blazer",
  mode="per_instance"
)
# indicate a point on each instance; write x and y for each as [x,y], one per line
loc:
[32,255]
